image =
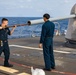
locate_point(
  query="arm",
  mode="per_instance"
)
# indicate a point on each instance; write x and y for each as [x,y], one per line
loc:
[11,32]
[43,34]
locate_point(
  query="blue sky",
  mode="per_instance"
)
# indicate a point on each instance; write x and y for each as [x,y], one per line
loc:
[35,8]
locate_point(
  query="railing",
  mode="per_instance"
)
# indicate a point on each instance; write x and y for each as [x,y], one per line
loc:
[57,32]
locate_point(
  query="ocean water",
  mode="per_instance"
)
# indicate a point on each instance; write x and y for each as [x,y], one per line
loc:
[34,30]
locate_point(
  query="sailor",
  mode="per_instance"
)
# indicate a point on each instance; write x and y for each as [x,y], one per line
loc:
[46,40]
[4,47]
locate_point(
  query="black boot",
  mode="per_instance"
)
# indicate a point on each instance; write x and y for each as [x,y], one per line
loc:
[6,64]
[53,67]
[47,69]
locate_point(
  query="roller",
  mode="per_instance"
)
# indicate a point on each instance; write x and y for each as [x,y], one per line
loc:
[18,25]
[39,21]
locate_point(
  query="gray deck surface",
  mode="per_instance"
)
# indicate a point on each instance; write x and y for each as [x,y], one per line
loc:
[23,57]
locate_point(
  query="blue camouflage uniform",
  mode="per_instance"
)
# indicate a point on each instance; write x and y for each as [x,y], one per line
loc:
[47,40]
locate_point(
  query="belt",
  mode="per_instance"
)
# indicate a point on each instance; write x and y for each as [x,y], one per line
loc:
[49,37]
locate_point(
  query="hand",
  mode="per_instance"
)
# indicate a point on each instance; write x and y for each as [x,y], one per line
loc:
[40,45]
[0,27]
[14,27]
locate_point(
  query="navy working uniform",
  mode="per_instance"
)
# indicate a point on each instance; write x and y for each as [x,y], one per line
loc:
[47,41]
[4,47]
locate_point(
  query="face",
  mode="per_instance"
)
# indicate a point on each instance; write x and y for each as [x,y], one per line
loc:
[45,19]
[5,23]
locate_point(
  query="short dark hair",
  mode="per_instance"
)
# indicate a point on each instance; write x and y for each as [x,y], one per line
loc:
[47,16]
[4,19]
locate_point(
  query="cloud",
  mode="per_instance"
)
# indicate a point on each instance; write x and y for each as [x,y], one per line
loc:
[29,0]
[21,6]
[66,1]
[40,10]
[35,7]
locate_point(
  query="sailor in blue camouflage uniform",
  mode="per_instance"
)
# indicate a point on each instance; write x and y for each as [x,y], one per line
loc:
[46,40]
[4,47]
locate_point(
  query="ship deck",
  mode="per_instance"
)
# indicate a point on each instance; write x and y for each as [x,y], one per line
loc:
[25,53]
